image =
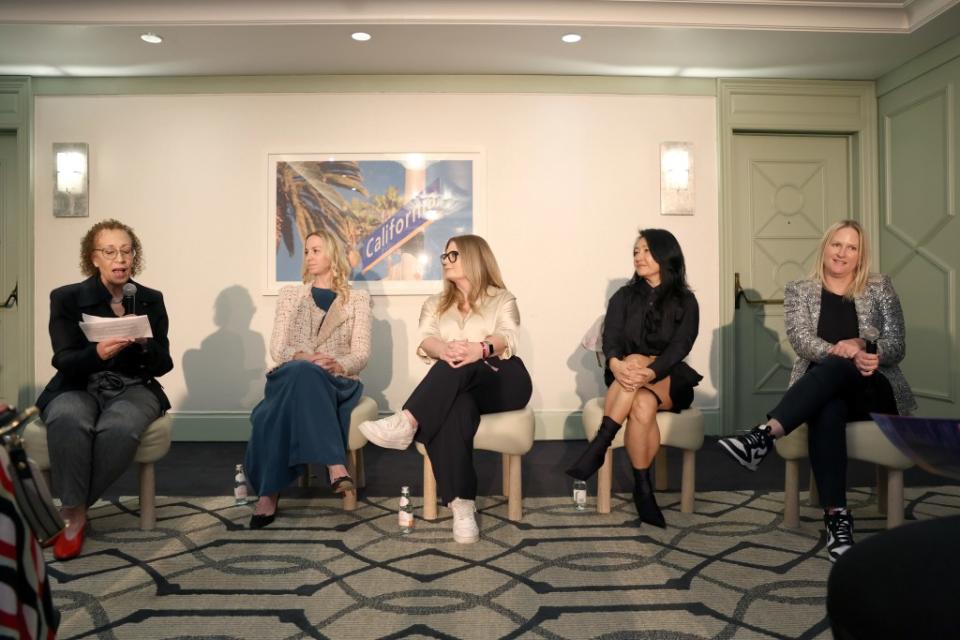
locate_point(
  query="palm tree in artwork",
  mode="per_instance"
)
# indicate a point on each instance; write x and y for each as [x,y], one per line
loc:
[308,200]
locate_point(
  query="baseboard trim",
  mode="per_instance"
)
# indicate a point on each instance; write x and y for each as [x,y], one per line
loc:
[234,426]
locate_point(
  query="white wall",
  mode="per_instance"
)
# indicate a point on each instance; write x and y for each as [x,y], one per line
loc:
[569,179]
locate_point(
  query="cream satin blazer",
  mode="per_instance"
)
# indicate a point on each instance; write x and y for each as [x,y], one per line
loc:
[496,315]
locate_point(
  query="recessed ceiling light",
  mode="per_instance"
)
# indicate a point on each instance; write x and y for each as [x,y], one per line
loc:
[152,38]
[570,38]
[361,36]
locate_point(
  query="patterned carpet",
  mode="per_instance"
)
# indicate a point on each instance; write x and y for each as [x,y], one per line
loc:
[728,571]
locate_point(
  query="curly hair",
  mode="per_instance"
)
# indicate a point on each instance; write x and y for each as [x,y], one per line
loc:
[338,262]
[87,246]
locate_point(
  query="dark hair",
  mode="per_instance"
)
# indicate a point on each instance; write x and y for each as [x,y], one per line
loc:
[87,246]
[667,252]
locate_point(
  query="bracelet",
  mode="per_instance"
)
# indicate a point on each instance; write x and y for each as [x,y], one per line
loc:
[487,349]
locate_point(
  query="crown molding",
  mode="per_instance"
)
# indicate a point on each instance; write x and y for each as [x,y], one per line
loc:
[804,15]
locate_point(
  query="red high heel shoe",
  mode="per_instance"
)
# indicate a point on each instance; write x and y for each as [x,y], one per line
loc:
[66,548]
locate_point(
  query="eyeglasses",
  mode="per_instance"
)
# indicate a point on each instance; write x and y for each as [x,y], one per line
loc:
[110,253]
[450,255]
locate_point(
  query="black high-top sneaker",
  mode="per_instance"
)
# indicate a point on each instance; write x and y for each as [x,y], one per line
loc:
[839,532]
[749,449]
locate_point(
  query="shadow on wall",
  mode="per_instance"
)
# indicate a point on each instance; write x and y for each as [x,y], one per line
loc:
[227,372]
[587,367]
[378,374]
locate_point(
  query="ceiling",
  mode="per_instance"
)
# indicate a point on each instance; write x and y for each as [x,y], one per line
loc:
[851,39]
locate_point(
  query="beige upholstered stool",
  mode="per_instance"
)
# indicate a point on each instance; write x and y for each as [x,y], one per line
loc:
[509,433]
[154,444]
[865,442]
[682,430]
[366,409]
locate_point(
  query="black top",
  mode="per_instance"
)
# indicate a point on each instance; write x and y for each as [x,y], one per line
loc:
[633,324]
[323,297]
[838,318]
[75,357]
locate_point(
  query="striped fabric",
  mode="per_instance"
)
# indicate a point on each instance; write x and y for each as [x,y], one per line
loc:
[26,609]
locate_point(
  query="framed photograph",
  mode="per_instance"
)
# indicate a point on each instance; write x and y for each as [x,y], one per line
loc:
[393,211]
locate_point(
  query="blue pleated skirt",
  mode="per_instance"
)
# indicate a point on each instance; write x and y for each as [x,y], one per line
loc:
[304,418]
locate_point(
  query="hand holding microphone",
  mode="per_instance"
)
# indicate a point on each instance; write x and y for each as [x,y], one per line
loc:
[867,360]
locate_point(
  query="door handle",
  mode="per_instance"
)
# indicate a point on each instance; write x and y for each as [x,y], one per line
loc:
[12,299]
[739,293]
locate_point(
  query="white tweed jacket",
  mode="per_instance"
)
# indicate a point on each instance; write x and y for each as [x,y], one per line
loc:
[342,333]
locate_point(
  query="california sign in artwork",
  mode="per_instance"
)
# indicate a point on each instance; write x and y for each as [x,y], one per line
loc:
[394,213]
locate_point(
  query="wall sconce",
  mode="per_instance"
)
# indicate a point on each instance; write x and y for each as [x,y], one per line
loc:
[71,179]
[676,178]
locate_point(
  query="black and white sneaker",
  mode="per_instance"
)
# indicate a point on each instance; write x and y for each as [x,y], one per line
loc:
[749,449]
[839,532]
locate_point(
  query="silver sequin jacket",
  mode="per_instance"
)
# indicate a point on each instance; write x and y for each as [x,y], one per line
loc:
[878,306]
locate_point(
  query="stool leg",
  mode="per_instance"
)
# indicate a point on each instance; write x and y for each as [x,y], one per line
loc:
[791,495]
[605,483]
[660,470]
[350,497]
[505,465]
[515,497]
[883,478]
[894,498]
[148,491]
[689,481]
[429,490]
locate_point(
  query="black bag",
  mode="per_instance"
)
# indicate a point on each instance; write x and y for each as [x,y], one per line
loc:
[29,487]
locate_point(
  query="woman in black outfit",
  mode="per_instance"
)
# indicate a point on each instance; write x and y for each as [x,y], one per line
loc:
[650,327]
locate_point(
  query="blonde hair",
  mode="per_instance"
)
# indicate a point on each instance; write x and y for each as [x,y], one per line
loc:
[479,267]
[339,266]
[862,273]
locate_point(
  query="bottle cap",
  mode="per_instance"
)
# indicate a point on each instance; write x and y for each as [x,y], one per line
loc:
[404,488]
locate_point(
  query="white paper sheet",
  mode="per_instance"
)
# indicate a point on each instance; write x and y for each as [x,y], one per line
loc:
[98,329]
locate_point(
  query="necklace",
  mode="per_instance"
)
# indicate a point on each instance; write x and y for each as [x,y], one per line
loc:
[116,300]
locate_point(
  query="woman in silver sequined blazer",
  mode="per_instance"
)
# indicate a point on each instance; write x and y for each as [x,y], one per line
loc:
[846,326]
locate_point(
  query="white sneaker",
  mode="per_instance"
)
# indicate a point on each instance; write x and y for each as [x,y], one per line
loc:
[392,432]
[465,529]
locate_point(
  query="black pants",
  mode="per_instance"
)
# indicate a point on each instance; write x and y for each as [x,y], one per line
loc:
[901,583]
[448,404]
[828,396]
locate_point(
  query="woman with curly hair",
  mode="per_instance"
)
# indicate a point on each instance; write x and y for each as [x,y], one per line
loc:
[105,394]
[320,342]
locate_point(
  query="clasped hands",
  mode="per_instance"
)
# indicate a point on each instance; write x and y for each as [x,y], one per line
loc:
[322,360]
[458,353]
[632,372]
[853,349]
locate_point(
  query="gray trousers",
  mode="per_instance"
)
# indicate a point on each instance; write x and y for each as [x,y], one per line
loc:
[93,436]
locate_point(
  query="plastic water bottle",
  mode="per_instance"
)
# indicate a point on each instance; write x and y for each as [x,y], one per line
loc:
[580,495]
[241,494]
[405,515]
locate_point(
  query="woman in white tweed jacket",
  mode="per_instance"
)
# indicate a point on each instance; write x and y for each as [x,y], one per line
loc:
[847,328]
[320,342]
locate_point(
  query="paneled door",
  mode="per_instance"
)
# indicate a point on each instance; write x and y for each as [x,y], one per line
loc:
[787,189]
[9,311]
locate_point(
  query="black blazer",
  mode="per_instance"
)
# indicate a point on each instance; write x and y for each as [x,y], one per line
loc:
[75,358]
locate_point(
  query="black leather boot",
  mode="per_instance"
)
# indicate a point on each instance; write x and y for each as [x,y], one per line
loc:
[645,500]
[592,459]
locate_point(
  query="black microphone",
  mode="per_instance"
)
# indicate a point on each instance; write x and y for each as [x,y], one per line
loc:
[870,335]
[129,298]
